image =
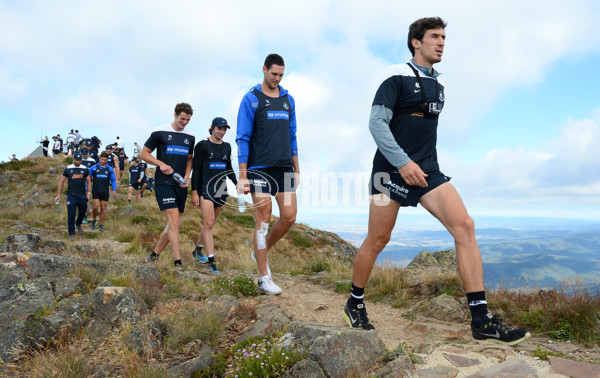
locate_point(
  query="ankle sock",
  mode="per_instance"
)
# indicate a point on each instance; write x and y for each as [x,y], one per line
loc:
[211,259]
[357,294]
[478,307]
[177,263]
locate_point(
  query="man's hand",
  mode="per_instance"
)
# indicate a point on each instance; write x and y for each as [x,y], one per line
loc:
[195,198]
[114,192]
[243,185]
[166,169]
[413,175]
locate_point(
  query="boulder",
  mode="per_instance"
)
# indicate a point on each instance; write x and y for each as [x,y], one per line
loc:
[270,319]
[118,304]
[205,359]
[25,298]
[224,306]
[26,242]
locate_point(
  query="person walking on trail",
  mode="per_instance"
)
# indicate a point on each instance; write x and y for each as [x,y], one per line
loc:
[268,162]
[71,143]
[403,122]
[211,166]
[56,146]
[174,148]
[103,177]
[78,178]
[113,160]
[136,176]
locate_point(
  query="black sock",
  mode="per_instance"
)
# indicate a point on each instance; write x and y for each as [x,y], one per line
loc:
[177,263]
[198,248]
[153,254]
[211,259]
[478,307]
[357,294]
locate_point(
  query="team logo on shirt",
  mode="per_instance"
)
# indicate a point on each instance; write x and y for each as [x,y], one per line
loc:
[268,103]
[417,88]
[441,96]
[286,106]
[170,137]
[186,141]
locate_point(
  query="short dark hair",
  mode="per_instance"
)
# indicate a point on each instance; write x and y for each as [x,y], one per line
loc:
[104,155]
[273,59]
[418,28]
[183,107]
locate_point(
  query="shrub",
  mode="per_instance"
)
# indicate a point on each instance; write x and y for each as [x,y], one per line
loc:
[299,240]
[237,285]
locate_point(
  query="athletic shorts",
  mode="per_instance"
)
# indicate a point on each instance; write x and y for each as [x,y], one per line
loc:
[100,196]
[272,180]
[170,197]
[136,185]
[218,201]
[144,180]
[392,185]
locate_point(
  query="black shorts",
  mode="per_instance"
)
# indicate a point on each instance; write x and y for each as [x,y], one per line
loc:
[144,180]
[218,201]
[272,180]
[392,185]
[170,197]
[136,185]
[100,196]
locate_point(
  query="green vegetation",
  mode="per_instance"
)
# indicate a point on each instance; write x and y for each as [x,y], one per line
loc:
[190,324]
[237,285]
[257,357]
[568,313]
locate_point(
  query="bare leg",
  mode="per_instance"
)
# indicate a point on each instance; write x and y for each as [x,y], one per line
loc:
[170,234]
[445,204]
[287,217]
[382,218]
[262,213]
[209,217]
[102,211]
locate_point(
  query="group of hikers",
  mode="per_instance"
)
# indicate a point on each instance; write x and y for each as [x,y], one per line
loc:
[403,123]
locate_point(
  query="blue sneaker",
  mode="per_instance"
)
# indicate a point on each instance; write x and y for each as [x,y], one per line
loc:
[101,228]
[84,221]
[213,268]
[198,255]
[93,225]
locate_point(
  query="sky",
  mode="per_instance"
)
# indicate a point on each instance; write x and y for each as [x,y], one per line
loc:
[519,134]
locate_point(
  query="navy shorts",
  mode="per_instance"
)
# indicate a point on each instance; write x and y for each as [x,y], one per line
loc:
[100,196]
[170,197]
[272,180]
[136,185]
[218,201]
[392,185]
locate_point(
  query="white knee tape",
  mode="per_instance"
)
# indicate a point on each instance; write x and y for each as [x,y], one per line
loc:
[261,236]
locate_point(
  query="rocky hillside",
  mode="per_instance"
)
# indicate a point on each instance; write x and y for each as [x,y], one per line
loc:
[92,307]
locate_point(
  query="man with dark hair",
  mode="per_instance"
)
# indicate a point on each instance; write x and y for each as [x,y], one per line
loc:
[113,160]
[102,176]
[211,167]
[403,122]
[268,161]
[79,179]
[173,160]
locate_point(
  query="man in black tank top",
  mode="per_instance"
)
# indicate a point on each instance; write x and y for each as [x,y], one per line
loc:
[403,122]
[211,167]
[78,192]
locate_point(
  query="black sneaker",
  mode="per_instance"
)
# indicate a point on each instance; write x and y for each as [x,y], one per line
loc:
[495,331]
[152,258]
[356,316]
[198,255]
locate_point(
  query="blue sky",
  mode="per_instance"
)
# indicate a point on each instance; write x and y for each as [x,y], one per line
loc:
[519,133]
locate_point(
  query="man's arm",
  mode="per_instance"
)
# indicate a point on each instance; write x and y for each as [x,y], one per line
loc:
[113,180]
[379,125]
[61,185]
[146,155]
[294,141]
[245,125]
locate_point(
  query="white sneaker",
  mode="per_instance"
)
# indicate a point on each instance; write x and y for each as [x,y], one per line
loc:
[268,269]
[267,286]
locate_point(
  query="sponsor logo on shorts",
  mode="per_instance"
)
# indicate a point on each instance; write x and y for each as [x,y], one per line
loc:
[260,182]
[399,190]
[168,200]
[278,115]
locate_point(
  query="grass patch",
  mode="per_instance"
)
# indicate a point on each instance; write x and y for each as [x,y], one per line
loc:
[60,366]
[317,265]
[388,284]
[188,325]
[238,285]
[16,165]
[242,220]
[445,283]
[257,356]
[569,312]
[298,239]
